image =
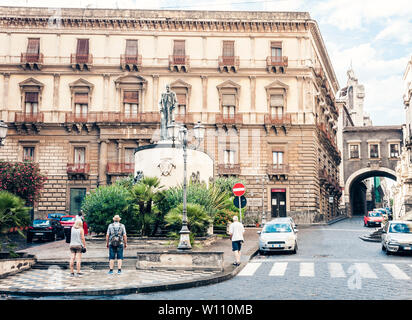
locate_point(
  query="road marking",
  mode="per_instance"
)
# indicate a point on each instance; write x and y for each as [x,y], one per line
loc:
[278,269]
[250,269]
[365,271]
[336,270]
[395,271]
[307,269]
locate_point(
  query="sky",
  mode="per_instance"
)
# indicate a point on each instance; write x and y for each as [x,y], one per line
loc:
[374,36]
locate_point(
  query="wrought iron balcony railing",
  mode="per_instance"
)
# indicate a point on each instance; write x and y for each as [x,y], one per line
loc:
[29,117]
[118,168]
[78,168]
[229,169]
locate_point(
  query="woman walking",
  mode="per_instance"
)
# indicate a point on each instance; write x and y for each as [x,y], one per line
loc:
[77,242]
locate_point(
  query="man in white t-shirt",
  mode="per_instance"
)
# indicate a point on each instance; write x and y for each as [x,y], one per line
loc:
[236,231]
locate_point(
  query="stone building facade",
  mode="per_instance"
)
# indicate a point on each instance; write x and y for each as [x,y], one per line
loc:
[80,91]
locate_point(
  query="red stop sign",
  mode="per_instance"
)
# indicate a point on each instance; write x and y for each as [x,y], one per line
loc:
[239,189]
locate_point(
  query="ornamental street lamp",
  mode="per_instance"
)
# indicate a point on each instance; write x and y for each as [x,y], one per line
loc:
[3,132]
[180,132]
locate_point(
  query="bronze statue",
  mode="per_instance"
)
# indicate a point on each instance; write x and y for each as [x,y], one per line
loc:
[167,103]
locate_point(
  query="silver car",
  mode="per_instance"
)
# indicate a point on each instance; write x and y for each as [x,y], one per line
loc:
[278,235]
[397,236]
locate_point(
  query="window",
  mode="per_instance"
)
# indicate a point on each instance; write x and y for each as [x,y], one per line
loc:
[277,158]
[81,103]
[31,100]
[374,151]
[229,157]
[28,154]
[131,103]
[181,103]
[179,52]
[129,155]
[79,155]
[131,52]
[276,51]
[82,52]
[228,105]
[33,50]
[228,48]
[394,150]
[354,151]
[276,105]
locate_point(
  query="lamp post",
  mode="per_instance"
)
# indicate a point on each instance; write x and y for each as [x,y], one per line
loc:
[3,132]
[180,132]
[264,179]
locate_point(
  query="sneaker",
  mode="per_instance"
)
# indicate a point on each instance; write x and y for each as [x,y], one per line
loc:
[119,271]
[71,274]
[110,272]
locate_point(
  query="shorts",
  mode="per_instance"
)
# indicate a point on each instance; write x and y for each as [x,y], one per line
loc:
[75,249]
[116,253]
[237,245]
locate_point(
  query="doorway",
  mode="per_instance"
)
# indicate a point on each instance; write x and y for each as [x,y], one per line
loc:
[278,203]
[77,196]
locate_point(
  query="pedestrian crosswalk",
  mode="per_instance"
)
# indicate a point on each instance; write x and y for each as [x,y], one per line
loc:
[333,269]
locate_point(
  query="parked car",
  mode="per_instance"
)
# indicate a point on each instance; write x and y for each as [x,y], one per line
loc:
[67,222]
[374,218]
[278,235]
[45,229]
[56,215]
[397,236]
[384,212]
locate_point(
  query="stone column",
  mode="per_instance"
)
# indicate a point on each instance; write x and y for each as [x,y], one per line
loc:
[103,162]
[156,97]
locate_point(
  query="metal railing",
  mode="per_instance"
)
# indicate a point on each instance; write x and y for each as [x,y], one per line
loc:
[29,117]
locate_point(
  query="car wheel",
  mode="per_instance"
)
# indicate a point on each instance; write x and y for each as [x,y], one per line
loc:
[261,252]
[53,237]
[383,248]
[295,250]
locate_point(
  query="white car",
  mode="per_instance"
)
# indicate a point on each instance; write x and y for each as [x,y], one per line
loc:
[278,235]
[397,236]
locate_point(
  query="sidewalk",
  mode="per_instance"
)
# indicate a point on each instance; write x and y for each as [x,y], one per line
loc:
[51,275]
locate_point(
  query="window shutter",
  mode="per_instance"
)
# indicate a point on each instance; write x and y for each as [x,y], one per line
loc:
[131,96]
[33,46]
[228,100]
[181,99]
[179,48]
[276,100]
[81,97]
[32,97]
[82,46]
[131,47]
[228,48]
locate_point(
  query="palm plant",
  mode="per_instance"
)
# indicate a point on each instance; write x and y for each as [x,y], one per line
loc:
[13,212]
[144,196]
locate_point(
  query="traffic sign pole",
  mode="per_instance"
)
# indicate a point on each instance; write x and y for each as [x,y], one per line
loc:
[240,210]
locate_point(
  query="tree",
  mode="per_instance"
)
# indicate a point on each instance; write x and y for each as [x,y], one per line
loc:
[22,179]
[143,200]
[13,212]
[103,203]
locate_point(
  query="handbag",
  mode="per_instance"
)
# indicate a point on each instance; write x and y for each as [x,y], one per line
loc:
[83,249]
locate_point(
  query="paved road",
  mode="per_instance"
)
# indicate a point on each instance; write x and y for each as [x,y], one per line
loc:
[332,264]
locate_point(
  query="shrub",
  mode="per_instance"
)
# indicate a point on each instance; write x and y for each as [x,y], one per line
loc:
[22,179]
[103,203]
[198,220]
[13,212]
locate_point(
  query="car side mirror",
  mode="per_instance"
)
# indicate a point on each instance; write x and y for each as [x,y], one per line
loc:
[259,232]
[296,230]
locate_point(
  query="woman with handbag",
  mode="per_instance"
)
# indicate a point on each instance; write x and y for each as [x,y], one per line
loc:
[77,246]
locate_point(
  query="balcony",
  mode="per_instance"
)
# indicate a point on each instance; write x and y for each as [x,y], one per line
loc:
[130,62]
[278,120]
[78,170]
[276,64]
[117,168]
[31,61]
[277,170]
[81,61]
[113,117]
[229,169]
[228,63]
[21,117]
[184,118]
[229,119]
[179,63]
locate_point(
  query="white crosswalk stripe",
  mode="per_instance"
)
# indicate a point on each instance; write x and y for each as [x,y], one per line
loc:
[307,269]
[250,269]
[336,270]
[365,271]
[278,269]
[396,272]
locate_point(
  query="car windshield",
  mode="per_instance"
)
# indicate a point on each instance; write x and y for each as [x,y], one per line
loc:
[55,215]
[40,223]
[375,214]
[278,227]
[68,219]
[404,227]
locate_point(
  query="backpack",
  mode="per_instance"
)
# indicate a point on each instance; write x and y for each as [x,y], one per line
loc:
[116,239]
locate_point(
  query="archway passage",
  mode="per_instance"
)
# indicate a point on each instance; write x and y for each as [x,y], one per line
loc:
[357,190]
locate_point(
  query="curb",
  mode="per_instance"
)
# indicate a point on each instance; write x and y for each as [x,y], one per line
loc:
[367,239]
